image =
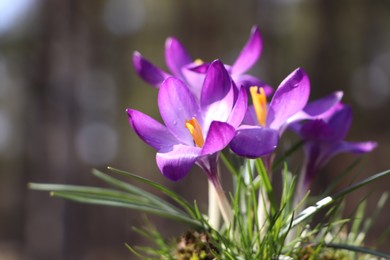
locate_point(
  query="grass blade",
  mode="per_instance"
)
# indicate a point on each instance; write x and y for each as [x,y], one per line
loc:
[109,197]
[83,198]
[359,249]
[308,212]
[160,187]
[135,190]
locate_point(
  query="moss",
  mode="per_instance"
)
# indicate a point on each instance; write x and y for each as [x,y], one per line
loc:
[194,245]
[310,252]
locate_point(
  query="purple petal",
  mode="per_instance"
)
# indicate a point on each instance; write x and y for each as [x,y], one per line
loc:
[249,54]
[176,56]
[147,71]
[316,130]
[248,81]
[250,117]
[150,131]
[239,110]
[323,105]
[217,84]
[218,137]
[254,141]
[329,150]
[290,97]
[340,122]
[355,147]
[217,97]
[195,81]
[177,162]
[295,127]
[202,68]
[320,108]
[312,162]
[331,129]
[177,104]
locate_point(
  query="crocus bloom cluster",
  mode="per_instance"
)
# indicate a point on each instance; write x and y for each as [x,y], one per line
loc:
[204,109]
[194,131]
[324,138]
[192,72]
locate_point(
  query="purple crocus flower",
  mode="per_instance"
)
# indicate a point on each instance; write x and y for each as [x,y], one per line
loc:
[263,123]
[192,72]
[324,138]
[194,132]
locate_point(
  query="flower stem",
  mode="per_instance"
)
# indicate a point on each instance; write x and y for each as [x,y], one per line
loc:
[302,186]
[224,205]
[209,165]
[262,214]
[213,211]
[264,203]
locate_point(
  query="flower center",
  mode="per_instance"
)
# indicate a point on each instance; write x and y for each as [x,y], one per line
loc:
[198,62]
[260,104]
[196,131]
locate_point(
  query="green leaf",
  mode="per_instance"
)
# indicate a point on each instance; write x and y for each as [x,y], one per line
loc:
[161,188]
[340,177]
[135,190]
[358,249]
[109,201]
[266,182]
[109,197]
[308,212]
[287,154]
[134,251]
[229,165]
[361,184]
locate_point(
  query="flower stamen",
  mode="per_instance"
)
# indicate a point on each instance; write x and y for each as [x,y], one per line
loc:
[260,104]
[196,131]
[198,62]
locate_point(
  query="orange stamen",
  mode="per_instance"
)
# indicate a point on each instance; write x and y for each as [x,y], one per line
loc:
[260,104]
[196,131]
[198,62]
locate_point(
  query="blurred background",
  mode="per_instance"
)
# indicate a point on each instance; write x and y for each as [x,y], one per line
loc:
[66,78]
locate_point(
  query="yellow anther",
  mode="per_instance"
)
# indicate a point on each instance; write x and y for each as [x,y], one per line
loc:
[198,62]
[260,104]
[196,131]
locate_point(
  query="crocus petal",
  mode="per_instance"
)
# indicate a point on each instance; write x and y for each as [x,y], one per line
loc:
[239,110]
[340,122]
[147,71]
[217,84]
[177,104]
[355,147]
[329,150]
[249,54]
[316,130]
[254,141]
[331,129]
[290,97]
[320,108]
[312,162]
[150,131]
[218,137]
[217,97]
[248,81]
[202,68]
[176,56]
[194,81]
[250,117]
[323,105]
[178,161]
